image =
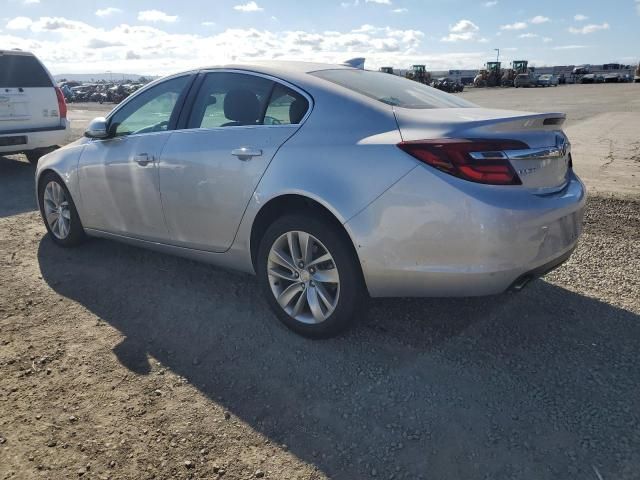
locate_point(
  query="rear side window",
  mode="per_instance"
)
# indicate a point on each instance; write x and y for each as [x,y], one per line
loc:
[22,71]
[392,89]
[286,107]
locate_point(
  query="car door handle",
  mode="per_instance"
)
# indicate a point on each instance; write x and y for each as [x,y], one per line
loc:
[143,159]
[246,153]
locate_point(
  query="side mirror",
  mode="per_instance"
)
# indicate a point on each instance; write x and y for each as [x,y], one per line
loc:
[97,128]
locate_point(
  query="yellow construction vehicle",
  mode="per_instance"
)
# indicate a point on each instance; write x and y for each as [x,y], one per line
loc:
[491,76]
[419,74]
[510,74]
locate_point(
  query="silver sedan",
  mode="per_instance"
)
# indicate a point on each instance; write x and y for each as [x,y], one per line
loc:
[332,184]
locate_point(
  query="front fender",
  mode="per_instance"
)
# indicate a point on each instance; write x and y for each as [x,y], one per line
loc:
[64,162]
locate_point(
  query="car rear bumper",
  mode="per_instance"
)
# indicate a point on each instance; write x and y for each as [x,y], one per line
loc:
[435,235]
[18,141]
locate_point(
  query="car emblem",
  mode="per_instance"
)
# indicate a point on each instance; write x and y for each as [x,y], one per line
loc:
[4,99]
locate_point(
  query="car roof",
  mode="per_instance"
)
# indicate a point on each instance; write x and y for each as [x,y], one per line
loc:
[16,52]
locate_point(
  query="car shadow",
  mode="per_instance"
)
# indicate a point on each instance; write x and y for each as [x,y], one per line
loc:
[542,384]
[17,194]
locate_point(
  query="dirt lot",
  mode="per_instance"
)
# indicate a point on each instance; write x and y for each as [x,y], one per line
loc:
[121,363]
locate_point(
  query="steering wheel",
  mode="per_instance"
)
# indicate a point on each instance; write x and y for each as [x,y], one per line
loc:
[272,121]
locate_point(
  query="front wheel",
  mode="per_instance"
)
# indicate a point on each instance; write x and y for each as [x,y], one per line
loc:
[59,212]
[310,275]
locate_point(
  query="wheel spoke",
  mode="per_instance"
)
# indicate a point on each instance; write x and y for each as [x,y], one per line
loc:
[324,296]
[299,306]
[293,247]
[289,293]
[314,305]
[51,217]
[305,243]
[326,276]
[284,275]
[282,259]
[321,259]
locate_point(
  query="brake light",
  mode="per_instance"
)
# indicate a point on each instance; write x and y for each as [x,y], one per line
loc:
[62,104]
[480,161]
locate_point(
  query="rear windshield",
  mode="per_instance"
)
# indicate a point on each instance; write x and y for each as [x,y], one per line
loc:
[22,71]
[392,89]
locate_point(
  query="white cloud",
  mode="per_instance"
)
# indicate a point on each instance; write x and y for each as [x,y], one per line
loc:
[591,28]
[514,26]
[208,24]
[490,3]
[19,23]
[581,18]
[547,39]
[379,2]
[569,47]
[107,12]
[638,6]
[462,31]
[30,2]
[528,35]
[156,16]
[400,10]
[249,7]
[540,19]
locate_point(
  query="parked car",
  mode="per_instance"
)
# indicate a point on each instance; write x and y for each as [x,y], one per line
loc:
[612,78]
[447,85]
[588,78]
[547,80]
[524,80]
[331,183]
[33,112]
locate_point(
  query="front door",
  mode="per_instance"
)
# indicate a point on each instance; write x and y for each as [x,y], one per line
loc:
[118,176]
[209,170]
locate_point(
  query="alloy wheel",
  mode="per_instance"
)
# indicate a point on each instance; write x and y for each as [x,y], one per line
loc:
[56,210]
[303,277]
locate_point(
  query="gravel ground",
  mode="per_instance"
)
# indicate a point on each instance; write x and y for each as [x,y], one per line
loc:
[121,363]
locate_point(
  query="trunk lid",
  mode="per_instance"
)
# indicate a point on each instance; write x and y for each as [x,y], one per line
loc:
[542,168]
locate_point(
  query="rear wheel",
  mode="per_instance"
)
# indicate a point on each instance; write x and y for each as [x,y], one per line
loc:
[310,276]
[59,212]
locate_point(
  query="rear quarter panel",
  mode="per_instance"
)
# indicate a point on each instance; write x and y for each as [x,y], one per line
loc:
[344,156]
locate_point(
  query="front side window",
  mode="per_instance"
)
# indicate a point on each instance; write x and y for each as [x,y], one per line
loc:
[230,100]
[392,89]
[151,110]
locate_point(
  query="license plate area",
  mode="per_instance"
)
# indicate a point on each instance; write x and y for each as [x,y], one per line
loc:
[13,141]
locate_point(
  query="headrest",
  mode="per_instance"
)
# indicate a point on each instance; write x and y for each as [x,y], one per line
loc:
[242,106]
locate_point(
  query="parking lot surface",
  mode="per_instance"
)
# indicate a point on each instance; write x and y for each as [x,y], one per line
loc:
[121,363]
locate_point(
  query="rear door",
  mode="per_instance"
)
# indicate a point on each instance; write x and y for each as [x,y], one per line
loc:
[27,96]
[210,169]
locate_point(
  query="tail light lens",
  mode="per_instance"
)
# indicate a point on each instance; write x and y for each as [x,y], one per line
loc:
[480,161]
[62,104]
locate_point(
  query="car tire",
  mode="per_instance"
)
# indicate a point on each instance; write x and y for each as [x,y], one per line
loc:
[341,303]
[53,194]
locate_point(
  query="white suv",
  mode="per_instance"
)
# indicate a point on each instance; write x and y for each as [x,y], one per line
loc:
[33,113]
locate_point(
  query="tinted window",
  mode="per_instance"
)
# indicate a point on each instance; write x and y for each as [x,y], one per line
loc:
[230,100]
[392,89]
[286,106]
[151,110]
[22,71]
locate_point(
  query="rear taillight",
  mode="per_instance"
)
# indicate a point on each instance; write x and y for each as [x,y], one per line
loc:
[480,161]
[62,105]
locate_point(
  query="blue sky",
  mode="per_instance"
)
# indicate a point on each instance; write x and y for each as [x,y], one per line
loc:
[161,36]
